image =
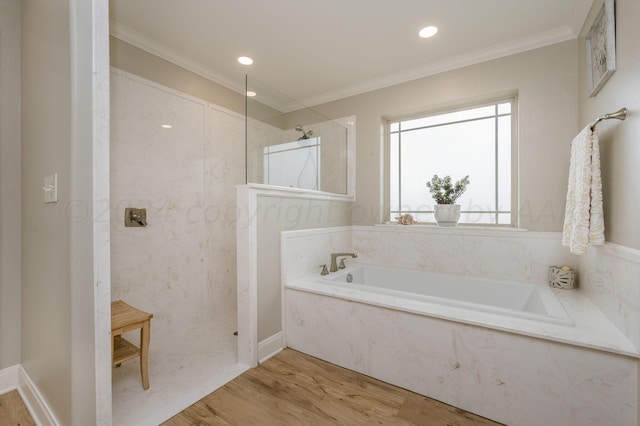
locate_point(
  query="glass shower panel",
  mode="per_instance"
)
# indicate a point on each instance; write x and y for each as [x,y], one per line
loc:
[293,164]
[288,144]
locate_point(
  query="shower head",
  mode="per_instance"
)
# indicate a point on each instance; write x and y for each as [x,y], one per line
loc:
[305,134]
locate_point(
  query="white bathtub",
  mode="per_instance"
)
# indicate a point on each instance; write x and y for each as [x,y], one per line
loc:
[533,301]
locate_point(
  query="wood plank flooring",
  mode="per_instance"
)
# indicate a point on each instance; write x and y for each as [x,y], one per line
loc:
[295,389]
[13,412]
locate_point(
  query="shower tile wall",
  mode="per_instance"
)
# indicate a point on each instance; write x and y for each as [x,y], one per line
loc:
[181,267]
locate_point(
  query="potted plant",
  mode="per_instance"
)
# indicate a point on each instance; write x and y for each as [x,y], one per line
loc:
[445,193]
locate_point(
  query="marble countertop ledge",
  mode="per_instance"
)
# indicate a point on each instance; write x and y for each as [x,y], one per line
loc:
[590,329]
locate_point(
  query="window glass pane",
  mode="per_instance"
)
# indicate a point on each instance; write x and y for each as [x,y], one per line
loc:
[504,218]
[504,108]
[394,127]
[474,142]
[468,114]
[394,173]
[504,163]
[455,150]
[478,218]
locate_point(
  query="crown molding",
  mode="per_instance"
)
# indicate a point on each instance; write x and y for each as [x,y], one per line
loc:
[547,38]
[501,50]
[134,38]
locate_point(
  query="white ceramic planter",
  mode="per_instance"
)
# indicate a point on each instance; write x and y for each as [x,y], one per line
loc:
[447,214]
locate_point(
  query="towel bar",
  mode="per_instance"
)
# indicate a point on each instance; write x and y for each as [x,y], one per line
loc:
[621,114]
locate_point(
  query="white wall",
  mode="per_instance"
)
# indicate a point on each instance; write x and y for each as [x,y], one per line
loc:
[545,80]
[10,218]
[619,141]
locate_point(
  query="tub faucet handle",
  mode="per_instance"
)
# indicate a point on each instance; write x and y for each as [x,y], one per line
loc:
[325,271]
[342,265]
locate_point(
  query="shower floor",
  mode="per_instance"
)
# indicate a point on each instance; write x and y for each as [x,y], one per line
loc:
[182,370]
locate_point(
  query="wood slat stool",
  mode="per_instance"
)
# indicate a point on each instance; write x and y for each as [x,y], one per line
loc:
[125,318]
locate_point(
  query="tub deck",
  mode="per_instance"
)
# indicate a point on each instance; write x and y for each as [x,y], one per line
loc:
[587,327]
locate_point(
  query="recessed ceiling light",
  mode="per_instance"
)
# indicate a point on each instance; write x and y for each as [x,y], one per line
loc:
[166,126]
[251,93]
[245,60]
[427,32]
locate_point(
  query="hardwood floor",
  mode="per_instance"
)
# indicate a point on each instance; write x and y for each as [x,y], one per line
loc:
[295,389]
[13,412]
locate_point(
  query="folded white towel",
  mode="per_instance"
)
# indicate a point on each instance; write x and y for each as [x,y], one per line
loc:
[583,217]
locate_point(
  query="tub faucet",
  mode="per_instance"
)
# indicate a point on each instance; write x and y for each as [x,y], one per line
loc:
[334,263]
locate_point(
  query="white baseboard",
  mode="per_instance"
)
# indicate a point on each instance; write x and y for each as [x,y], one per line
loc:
[270,347]
[9,379]
[16,377]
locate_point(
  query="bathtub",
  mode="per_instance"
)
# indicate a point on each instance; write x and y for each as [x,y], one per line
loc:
[516,352]
[535,301]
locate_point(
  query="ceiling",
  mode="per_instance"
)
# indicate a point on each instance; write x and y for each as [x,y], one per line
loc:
[318,51]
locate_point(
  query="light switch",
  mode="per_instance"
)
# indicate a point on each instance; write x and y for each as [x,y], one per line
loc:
[50,188]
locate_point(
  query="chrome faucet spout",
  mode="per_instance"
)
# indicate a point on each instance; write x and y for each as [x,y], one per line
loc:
[334,263]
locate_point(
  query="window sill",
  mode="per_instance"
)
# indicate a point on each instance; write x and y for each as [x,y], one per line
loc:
[479,230]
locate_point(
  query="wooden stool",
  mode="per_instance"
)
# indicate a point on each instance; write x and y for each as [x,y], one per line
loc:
[127,318]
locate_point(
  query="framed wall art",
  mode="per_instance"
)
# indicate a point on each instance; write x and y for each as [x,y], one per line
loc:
[601,48]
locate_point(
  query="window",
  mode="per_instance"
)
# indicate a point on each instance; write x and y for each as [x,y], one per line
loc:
[293,164]
[478,141]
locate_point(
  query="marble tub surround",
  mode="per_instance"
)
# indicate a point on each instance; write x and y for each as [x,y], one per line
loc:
[483,252]
[589,328]
[303,251]
[610,276]
[510,378]
[511,370]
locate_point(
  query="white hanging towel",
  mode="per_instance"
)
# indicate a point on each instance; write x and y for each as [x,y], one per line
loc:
[583,217]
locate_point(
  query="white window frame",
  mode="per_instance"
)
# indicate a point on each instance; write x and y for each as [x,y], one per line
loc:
[389,120]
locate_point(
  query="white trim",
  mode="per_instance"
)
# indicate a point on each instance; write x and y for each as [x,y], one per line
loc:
[101,225]
[35,403]
[9,379]
[299,193]
[247,258]
[270,346]
[16,378]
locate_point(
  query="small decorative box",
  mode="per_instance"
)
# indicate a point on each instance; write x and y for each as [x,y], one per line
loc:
[562,277]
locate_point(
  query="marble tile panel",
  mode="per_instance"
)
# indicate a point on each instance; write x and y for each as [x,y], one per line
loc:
[303,251]
[512,379]
[610,276]
[517,255]
[181,267]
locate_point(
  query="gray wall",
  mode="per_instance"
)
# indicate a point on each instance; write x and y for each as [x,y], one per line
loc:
[58,347]
[546,82]
[619,141]
[139,62]
[9,183]
[274,215]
